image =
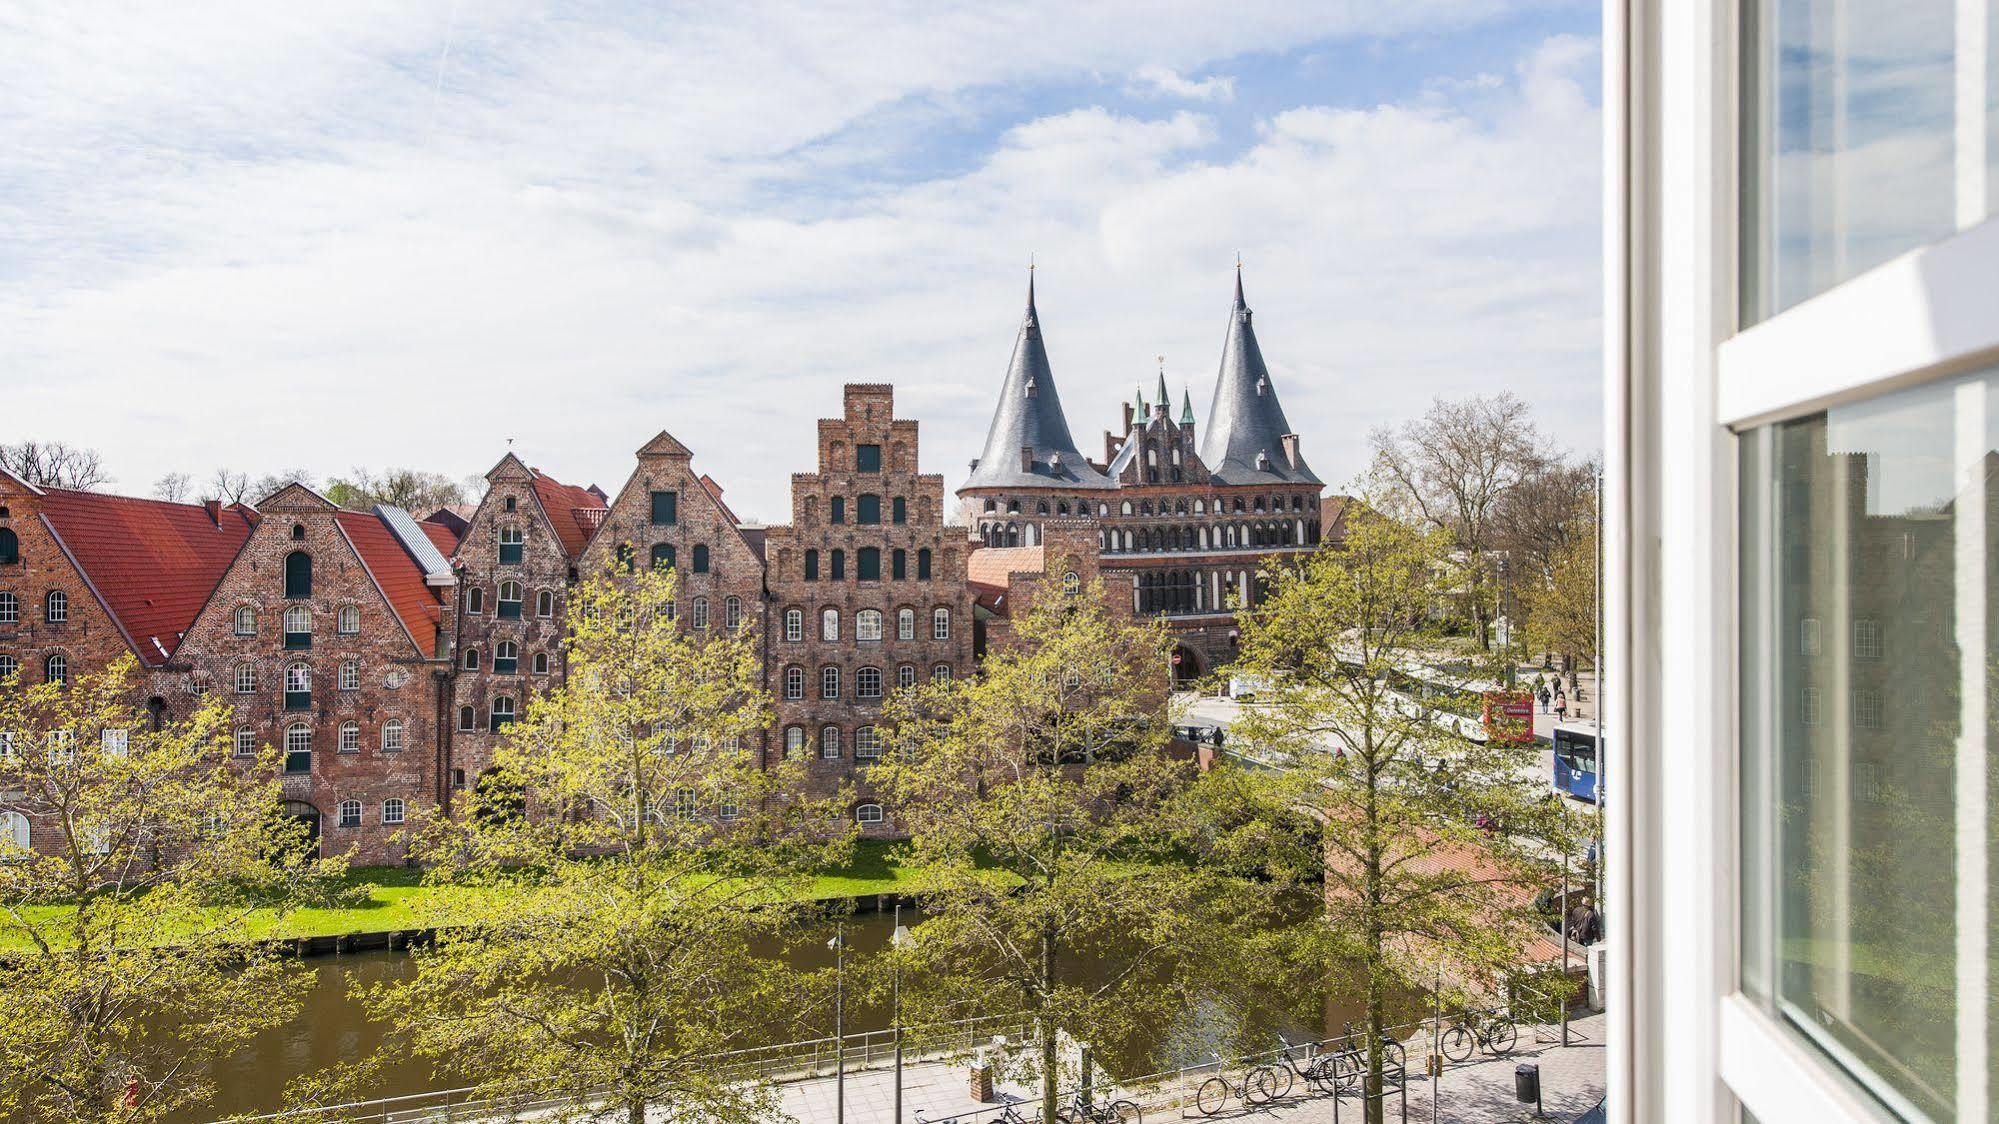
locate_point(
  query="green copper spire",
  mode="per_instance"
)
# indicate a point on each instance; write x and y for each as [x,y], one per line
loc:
[1186,406]
[1141,399]
[1165,399]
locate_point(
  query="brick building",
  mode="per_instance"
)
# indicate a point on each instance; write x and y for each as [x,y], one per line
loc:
[1192,523]
[867,591]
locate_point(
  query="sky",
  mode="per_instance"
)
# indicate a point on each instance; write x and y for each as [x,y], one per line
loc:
[406,232]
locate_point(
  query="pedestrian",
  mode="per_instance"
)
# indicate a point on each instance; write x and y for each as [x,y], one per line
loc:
[1544,698]
[1561,706]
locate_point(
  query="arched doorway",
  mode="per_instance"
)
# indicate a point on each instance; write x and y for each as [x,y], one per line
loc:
[1187,667]
[307,817]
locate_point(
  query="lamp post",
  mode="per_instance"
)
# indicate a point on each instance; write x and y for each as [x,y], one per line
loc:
[899,940]
[839,946]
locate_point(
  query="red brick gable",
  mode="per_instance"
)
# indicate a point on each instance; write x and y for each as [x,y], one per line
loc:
[152,563]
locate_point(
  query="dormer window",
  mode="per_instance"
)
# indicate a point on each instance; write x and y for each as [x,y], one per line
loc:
[1262,384]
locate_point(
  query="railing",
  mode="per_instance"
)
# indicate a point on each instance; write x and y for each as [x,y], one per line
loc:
[782,1062]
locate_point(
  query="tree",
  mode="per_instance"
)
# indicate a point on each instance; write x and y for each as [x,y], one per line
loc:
[1562,606]
[173,487]
[127,975]
[408,488]
[227,487]
[1433,842]
[52,464]
[1047,817]
[270,482]
[1451,470]
[629,860]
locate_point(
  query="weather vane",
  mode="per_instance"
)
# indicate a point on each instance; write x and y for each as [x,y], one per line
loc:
[1162,363]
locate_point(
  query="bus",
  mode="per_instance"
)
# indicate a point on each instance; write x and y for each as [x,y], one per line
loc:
[1578,765]
[1455,702]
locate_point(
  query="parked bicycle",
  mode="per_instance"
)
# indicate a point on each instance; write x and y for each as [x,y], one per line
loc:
[1008,1114]
[1098,1110]
[1349,1057]
[1258,1086]
[1496,1035]
[1320,1071]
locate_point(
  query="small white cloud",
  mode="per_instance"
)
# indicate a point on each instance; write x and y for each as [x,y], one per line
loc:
[1165,82]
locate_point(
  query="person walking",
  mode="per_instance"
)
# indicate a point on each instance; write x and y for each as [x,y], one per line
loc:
[1561,706]
[1545,697]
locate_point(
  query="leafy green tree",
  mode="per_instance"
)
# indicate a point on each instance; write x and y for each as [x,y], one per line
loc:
[634,861]
[1054,829]
[126,976]
[1562,607]
[1434,842]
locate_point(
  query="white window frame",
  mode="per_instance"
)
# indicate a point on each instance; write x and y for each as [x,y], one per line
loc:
[244,621]
[905,624]
[394,810]
[394,735]
[341,810]
[347,622]
[1682,381]
[794,625]
[940,623]
[349,740]
[350,675]
[868,625]
[246,678]
[246,742]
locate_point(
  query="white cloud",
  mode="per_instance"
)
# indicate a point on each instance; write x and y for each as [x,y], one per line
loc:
[249,246]
[1164,81]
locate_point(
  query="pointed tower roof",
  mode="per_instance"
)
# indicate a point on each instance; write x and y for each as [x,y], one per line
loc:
[1186,406]
[1029,443]
[1246,427]
[1165,399]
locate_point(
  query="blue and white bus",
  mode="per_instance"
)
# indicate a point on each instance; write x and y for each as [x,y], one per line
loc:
[1578,762]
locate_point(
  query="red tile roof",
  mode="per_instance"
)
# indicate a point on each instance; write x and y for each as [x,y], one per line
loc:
[576,512]
[442,535]
[714,491]
[398,575]
[153,563]
[988,568]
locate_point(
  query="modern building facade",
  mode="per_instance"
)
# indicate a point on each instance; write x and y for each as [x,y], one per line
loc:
[1803,447]
[1191,523]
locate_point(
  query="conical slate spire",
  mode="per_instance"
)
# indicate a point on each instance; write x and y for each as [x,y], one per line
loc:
[1029,443]
[1245,442]
[1186,406]
[1165,399]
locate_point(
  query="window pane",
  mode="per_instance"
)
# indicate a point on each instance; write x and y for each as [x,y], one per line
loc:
[1869,571]
[1851,137]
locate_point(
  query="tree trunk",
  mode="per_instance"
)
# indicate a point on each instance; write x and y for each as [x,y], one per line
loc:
[635,1110]
[1048,1076]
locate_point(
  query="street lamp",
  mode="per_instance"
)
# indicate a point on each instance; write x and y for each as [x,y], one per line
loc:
[839,946]
[899,941]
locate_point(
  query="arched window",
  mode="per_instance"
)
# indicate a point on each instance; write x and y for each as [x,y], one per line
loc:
[940,673]
[510,546]
[14,835]
[898,567]
[298,748]
[392,810]
[502,713]
[506,657]
[732,612]
[700,612]
[794,683]
[298,532]
[541,663]
[940,624]
[467,719]
[55,669]
[662,556]
[794,742]
[392,736]
[905,624]
[350,813]
[794,625]
[509,608]
[1125,508]
[1072,583]
[923,564]
[812,565]
[867,743]
[347,621]
[829,743]
[899,510]
[868,683]
[836,509]
[471,659]
[544,603]
[512,504]
[349,738]
[475,600]
[622,557]
[350,675]
[55,607]
[868,815]
[298,686]
[298,574]
[700,558]
[246,678]
[868,624]
[829,682]
[868,508]
[905,676]
[10,547]
[829,624]
[839,565]
[868,564]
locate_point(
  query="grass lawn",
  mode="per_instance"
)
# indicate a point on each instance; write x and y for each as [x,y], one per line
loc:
[397,899]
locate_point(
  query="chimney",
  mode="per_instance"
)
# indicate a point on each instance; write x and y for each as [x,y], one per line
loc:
[1127,417]
[1027,458]
[214,510]
[1290,441]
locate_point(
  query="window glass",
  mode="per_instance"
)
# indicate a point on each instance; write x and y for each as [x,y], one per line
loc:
[1866,819]
[1852,139]
[665,508]
[867,458]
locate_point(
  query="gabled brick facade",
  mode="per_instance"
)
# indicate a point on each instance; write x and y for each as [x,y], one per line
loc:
[86,636]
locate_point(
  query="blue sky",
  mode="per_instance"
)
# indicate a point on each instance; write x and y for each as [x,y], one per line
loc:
[375,233]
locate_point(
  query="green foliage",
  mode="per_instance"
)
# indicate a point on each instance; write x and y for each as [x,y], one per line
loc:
[1434,843]
[143,838]
[640,849]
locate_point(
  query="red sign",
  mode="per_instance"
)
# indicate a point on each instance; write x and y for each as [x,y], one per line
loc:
[1509,716]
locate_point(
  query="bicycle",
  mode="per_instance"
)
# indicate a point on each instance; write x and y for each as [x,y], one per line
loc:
[1320,1071]
[1349,1058]
[1094,1111]
[1495,1035]
[1258,1086]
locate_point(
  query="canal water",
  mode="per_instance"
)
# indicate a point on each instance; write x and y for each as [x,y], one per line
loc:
[333,1030]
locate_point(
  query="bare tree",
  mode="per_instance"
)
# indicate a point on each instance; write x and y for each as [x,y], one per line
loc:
[173,487]
[52,464]
[408,488]
[1452,469]
[272,481]
[1539,517]
[227,487]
